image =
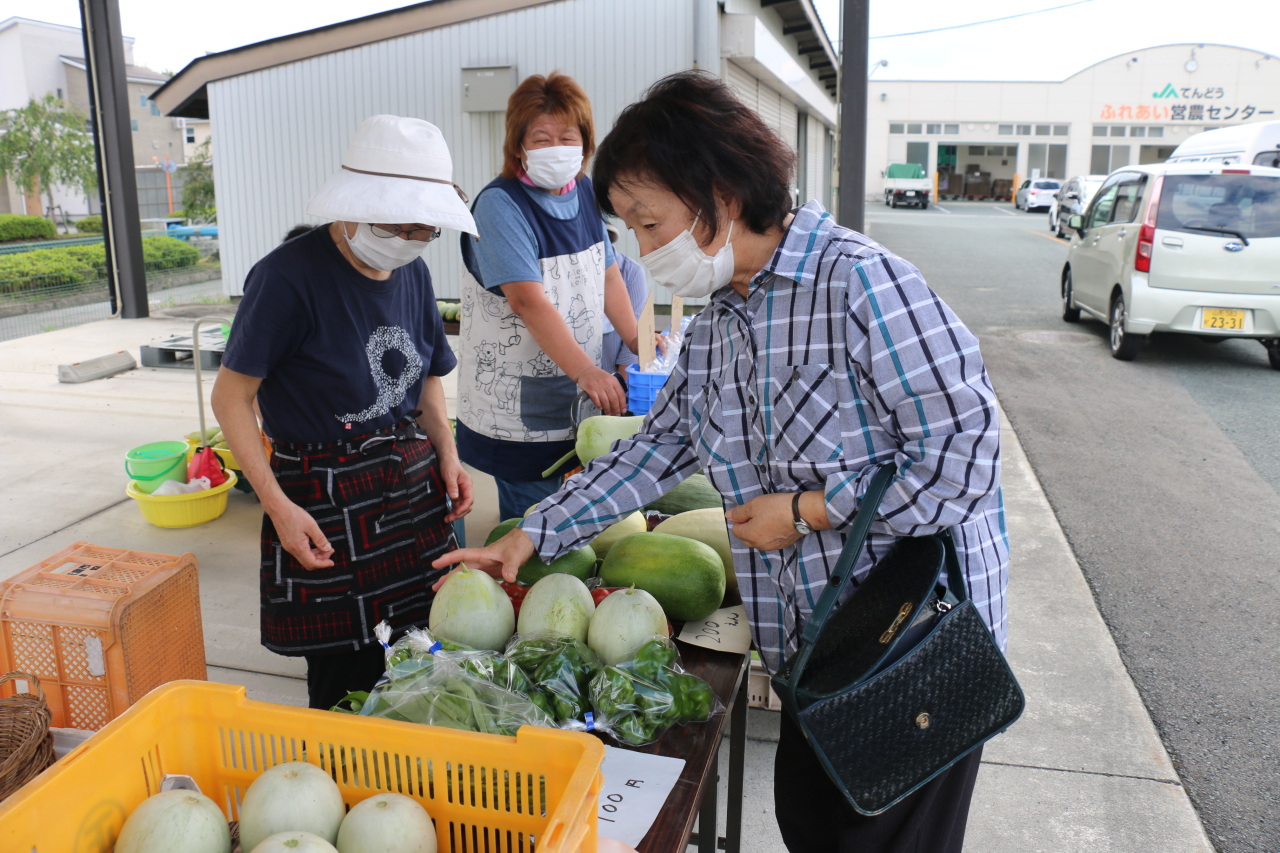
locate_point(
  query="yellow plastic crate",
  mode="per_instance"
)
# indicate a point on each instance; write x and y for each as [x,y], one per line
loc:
[535,791]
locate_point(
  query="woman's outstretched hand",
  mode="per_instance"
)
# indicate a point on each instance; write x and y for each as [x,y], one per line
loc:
[502,559]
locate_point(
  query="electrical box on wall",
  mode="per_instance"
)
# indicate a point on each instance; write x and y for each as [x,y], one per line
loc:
[486,90]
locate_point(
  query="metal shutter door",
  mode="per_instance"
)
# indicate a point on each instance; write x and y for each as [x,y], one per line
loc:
[813,181]
[770,107]
[790,126]
[743,84]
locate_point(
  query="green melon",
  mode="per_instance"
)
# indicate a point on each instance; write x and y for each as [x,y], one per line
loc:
[705,525]
[580,563]
[693,493]
[619,530]
[684,575]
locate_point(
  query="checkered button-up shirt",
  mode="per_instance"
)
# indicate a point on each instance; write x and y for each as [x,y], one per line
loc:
[839,360]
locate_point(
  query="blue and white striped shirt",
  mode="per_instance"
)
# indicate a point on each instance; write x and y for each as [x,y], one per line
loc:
[839,360]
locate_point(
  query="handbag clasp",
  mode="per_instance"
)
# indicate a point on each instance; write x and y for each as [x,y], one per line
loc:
[903,613]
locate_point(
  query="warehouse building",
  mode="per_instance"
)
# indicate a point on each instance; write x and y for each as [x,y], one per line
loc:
[982,137]
[282,111]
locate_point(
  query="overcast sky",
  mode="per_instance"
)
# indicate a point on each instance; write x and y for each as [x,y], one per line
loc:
[1047,46]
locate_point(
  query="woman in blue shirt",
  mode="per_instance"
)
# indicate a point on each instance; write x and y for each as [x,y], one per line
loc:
[339,341]
[540,280]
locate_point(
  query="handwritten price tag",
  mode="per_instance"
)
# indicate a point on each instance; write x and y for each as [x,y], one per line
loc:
[725,630]
[636,785]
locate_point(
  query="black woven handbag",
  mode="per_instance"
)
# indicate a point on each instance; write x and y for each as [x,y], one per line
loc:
[904,679]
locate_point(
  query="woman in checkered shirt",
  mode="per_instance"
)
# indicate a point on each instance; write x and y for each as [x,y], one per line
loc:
[820,357]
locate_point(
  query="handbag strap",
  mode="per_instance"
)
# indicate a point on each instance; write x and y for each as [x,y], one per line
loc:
[858,531]
[857,537]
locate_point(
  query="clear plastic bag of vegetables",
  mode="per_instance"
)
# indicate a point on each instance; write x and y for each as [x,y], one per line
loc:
[637,700]
[413,653]
[416,644]
[446,692]
[562,668]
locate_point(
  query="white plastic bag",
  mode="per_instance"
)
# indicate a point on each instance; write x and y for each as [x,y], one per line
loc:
[173,487]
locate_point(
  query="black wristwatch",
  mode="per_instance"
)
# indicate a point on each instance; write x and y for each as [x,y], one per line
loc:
[802,526]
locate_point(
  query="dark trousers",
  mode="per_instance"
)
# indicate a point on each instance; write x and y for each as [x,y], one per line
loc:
[814,816]
[330,677]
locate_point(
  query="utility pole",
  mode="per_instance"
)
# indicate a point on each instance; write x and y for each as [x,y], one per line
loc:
[853,113]
[113,138]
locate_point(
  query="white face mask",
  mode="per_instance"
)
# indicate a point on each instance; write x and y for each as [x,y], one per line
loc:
[552,168]
[682,267]
[382,253]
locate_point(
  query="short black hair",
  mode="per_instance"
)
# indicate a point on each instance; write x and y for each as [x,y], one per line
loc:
[297,231]
[692,134]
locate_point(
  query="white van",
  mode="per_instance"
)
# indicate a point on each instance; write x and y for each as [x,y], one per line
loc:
[1252,144]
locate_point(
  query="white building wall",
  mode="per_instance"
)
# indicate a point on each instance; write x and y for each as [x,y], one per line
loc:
[29,64]
[282,131]
[1118,92]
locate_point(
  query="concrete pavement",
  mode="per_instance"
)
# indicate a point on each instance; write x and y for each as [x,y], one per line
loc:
[1082,771]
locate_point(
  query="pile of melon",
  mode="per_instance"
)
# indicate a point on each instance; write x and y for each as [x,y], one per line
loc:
[675,575]
[472,609]
[684,566]
[292,808]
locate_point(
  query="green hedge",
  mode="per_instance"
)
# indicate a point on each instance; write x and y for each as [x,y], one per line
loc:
[15,227]
[27,271]
[90,225]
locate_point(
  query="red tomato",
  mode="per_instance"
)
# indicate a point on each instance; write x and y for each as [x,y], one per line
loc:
[516,593]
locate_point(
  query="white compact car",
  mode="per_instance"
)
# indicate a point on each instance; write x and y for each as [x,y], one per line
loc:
[1073,198]
[1037,194]
[1179,247]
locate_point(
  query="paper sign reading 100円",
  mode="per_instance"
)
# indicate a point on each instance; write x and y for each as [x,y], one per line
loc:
[725,630]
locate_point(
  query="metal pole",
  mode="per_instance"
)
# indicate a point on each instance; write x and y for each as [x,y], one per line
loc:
[112,132]
[853,113]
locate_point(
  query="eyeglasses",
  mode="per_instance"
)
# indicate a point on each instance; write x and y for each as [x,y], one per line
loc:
[416,234]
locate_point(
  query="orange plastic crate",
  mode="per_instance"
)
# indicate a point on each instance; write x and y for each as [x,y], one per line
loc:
[101,627]
[537,791]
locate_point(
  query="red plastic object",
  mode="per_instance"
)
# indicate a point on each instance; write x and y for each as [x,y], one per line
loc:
[205,463]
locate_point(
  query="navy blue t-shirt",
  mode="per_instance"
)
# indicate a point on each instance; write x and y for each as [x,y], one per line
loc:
[339,354]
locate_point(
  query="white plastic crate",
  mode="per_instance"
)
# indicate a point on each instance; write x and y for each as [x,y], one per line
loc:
[760,690]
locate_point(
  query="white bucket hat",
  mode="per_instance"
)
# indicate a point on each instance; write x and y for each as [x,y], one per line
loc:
[395,170]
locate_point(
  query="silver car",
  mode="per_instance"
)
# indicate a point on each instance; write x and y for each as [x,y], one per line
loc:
[1036,194]
[1073,198]
[1179,247]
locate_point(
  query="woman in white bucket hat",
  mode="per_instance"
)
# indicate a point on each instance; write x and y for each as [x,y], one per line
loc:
[339,340]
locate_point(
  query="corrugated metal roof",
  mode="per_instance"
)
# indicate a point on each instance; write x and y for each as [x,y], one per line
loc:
[185,95]
[800,19]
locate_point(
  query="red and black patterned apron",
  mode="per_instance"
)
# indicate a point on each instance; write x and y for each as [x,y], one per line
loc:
[380,501]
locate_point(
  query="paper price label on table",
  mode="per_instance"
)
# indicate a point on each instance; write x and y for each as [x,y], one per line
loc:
[636,786]
[725,630]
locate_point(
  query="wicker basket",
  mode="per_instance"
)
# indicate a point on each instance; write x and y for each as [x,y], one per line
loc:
[26,744]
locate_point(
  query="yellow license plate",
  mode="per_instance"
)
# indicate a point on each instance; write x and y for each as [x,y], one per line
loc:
[1222,318]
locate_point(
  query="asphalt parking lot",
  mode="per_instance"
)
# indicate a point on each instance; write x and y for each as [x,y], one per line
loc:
[1164,473]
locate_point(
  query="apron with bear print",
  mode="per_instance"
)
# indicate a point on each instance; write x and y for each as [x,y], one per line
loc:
[508,388]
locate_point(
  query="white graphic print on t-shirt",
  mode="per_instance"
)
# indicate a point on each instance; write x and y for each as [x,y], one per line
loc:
[391,390]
